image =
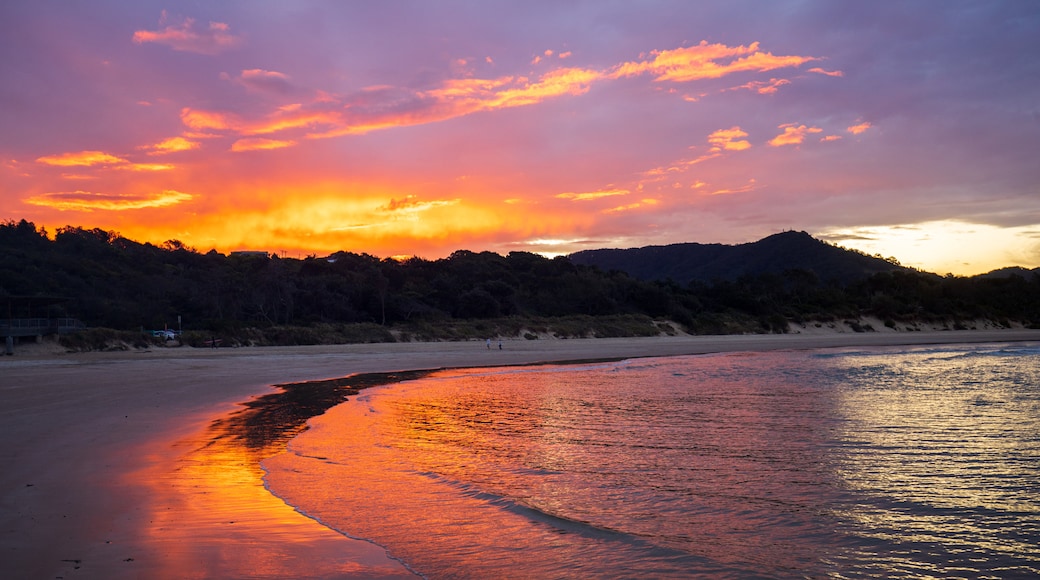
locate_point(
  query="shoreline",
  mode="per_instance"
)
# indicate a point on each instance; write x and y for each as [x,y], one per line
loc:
[106,450]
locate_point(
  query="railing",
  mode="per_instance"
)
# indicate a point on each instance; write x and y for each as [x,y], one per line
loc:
[38,326]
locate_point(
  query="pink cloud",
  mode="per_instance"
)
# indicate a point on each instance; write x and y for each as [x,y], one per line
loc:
[186,37]
[265,81]
[764,87]
[830,73]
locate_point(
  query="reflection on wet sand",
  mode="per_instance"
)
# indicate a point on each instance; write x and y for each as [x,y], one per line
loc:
[214,518]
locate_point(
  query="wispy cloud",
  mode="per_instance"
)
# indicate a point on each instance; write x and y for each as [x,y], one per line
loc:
[260,143]
[764,87]
[265,81]
[186,36]
[99,159]
[82,159]
[144,167]
[208,120]
[830,73]
[90,201]
[641,204]
[171,145]
[590,195]
[384,107]
[411,204]
[749,186]
[708,61]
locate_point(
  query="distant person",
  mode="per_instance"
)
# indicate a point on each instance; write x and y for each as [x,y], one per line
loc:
[499,345]
[489,344]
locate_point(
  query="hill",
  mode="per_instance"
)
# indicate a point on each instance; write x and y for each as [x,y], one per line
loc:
[1011,271]
[776,254]
[110,282]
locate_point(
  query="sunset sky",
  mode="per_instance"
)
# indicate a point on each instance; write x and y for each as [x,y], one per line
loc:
[906,129]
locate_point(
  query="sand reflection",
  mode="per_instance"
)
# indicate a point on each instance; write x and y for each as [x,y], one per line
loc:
[212,516]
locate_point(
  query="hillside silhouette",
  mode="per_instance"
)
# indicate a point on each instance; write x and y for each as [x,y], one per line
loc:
[108,281]
[688,262]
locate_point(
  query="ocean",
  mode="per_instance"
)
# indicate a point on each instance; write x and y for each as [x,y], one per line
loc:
[918,462]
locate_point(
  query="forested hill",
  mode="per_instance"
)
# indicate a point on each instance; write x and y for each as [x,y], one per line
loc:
[109,281]
[775,254]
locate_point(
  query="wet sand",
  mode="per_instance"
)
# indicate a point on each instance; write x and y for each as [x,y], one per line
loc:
[140,464]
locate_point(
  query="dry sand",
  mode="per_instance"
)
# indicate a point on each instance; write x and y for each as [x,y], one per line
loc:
[109,471]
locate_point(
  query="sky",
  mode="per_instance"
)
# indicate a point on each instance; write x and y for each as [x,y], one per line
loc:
[909,130]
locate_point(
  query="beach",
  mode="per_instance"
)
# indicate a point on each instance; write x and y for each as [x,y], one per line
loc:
[112,469]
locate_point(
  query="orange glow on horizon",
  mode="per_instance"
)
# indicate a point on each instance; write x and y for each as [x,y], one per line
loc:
[318,219]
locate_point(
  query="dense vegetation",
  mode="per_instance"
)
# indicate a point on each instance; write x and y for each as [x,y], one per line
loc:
[109,281]
[774,254]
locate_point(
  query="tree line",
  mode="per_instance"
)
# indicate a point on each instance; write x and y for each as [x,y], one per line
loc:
[109,281]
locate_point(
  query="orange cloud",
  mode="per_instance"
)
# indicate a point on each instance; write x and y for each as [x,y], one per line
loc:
[208,120]
[793,135]
[172,145]
[409,204]
[89,201]
[98,158]
[292,119]
[659,174]
[460,97]
[329,116]
[708,61]
[729,139]
[81,158]
[637,205]
[750,186]
[259,143]
[592,194]
[859,128]
[467,88]
[565,81]
[144,167]
[186,37]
